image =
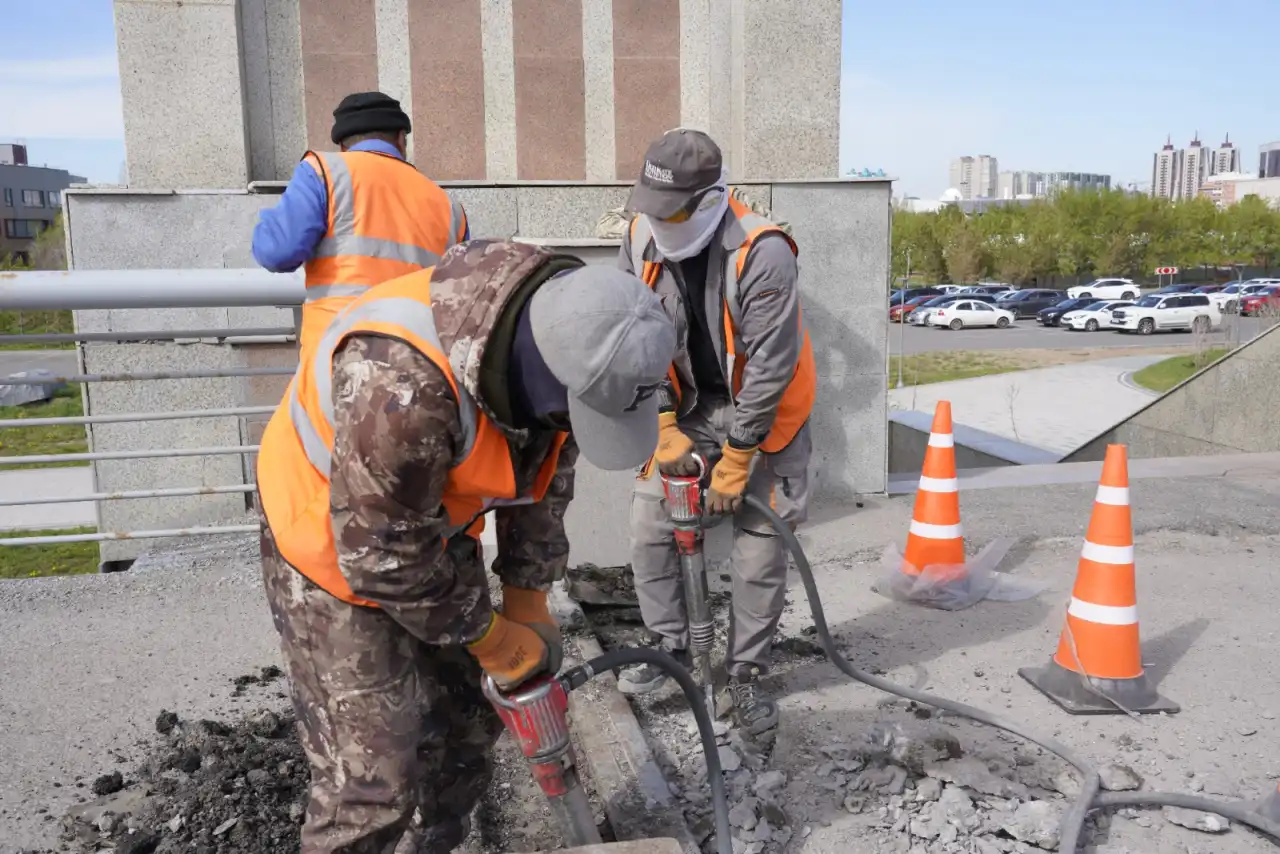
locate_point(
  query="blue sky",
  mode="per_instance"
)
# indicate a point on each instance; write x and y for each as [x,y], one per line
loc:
[1092,89]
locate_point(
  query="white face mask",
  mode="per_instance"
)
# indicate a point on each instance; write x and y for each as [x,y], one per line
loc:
[680,240]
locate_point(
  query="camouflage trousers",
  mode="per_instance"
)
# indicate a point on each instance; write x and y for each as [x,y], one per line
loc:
[389,724]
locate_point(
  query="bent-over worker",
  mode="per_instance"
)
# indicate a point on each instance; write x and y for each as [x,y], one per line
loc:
[430,400]
[356,217]
[739,393]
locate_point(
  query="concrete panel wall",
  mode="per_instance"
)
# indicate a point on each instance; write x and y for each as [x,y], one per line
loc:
[221,92]
[1231,407]
[843,233]
[181,81]
[842,228]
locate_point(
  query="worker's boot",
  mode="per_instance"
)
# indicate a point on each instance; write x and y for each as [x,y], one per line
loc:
[646,678]
[754,711]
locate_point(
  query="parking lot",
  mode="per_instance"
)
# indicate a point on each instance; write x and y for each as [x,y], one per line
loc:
[1030,335]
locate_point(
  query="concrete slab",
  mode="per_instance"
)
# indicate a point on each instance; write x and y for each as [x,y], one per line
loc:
[648,846]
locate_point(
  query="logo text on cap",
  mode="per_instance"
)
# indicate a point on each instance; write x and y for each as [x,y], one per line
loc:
[643,393]
[657,173]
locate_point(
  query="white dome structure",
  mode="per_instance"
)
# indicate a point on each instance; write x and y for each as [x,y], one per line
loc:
[951,196]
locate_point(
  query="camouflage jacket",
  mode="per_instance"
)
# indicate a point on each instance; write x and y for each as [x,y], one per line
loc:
[397,435]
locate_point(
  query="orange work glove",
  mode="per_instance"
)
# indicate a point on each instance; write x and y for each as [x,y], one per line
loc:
[513,653]
[526,606]
[675,449]
[729,480]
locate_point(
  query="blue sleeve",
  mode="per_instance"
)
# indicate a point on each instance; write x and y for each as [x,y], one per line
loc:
[288,233]
[466,231]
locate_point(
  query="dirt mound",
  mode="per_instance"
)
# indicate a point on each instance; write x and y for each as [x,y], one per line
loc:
[208,787]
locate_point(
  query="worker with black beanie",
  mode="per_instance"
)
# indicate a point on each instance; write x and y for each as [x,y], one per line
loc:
[359,216]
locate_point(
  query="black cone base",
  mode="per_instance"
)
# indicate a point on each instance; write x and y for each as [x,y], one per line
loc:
[1078,697]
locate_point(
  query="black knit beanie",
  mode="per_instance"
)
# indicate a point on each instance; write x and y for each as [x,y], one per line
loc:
[368,112]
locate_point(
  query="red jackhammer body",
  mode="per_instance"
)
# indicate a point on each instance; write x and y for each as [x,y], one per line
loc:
[684,506]
[537,716]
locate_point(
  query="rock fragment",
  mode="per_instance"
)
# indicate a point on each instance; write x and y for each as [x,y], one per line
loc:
[1205,822]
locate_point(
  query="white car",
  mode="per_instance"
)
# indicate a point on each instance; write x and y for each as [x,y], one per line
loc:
[1092,317]
[1159,312]
[1228,299]
[965,312]
[1105,289]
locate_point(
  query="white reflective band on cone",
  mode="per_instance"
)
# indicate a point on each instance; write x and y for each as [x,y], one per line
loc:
[1114,495]
[1108,615]
[939,484]
[942,440]
[1118,555]
[936,532]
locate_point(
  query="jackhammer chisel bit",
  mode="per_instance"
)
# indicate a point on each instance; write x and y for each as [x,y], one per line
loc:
[684,506]
[537,716]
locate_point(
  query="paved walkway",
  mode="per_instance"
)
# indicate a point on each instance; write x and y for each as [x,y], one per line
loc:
[1057,409]
[60,362]
[47,483]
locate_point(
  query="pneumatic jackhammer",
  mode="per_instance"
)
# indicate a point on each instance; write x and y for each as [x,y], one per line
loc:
[684,507]
[537,716]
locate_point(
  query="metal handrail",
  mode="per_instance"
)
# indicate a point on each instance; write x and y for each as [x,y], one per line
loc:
[144,289]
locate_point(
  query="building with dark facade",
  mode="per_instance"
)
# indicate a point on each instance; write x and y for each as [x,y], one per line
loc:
[30,199]
[1269,160]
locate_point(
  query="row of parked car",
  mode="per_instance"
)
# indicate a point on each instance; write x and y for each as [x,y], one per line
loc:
[1101,304]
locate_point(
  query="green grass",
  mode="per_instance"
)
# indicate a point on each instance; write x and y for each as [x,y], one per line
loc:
[939,367]
[1164,375]
[23,441]
[53,559]
[33,323]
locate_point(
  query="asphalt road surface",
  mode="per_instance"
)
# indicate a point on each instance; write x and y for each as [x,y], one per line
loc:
[1029,335]
[60,362]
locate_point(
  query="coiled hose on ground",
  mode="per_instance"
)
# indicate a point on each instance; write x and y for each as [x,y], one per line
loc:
[1090,796]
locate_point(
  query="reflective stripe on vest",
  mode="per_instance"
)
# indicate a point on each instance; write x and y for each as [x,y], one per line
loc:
[415,317]
[342,240]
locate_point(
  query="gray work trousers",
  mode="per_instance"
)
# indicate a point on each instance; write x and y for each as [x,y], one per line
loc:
[758,563]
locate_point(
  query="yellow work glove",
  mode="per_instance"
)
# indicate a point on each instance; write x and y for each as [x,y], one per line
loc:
[675,449]
[729,480]
[513,653]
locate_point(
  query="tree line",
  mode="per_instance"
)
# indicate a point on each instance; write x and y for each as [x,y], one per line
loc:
[1084,234]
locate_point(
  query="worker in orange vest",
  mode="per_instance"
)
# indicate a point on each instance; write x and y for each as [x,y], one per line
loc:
[359,216]
[433,399]
[739,393]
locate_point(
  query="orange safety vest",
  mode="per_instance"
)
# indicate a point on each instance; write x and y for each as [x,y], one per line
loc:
[295,456]
[797,401]
[386,219]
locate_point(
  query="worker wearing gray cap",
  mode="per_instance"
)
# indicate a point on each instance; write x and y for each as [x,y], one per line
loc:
[739,393]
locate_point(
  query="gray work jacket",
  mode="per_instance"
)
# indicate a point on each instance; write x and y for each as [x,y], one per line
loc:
[764,305]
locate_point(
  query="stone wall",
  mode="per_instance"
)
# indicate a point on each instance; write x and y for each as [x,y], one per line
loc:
[223,92]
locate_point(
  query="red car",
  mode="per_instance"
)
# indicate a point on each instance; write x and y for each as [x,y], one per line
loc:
[1267,299]
[898,313]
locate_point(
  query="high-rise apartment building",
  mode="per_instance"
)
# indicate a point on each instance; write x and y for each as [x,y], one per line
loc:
[975,177]
[1225,158]
[1164,171]
[1179,173]
[1269,160]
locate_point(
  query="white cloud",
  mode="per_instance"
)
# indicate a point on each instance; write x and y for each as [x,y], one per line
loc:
[75,98]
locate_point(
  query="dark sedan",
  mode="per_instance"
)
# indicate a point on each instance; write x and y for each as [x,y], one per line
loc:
[1027,303]
[1052,315]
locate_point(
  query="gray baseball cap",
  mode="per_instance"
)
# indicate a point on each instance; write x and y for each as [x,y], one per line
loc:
[603,333]
[677,167]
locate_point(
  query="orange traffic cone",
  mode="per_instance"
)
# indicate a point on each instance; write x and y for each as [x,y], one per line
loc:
[936,537]
[934,570]
[1098,666]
